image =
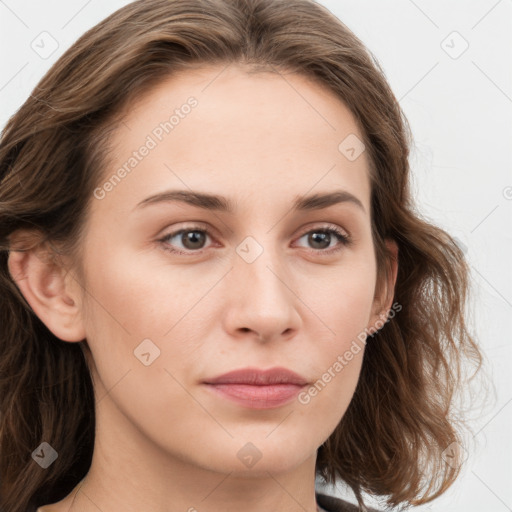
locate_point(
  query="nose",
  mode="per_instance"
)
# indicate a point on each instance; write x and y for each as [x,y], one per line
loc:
[260,299]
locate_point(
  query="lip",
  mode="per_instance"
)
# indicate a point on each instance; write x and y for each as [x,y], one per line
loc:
[257,377]
[258,389]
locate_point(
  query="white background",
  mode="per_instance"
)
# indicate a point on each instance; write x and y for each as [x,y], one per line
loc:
[460,111]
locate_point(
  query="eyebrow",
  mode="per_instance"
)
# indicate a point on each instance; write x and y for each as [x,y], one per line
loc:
[223,204]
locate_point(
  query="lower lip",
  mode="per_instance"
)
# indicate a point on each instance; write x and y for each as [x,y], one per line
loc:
[258,397]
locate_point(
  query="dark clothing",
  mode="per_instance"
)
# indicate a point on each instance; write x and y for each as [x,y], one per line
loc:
[332,504]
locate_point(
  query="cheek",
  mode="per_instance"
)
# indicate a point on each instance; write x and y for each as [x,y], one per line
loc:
[344,305]
[337,360]
[135,297]
[134,309]
[140,297]
[343,300]
[128,303]
[330,395]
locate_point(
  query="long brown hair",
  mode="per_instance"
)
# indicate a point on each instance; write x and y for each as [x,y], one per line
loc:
[53,152]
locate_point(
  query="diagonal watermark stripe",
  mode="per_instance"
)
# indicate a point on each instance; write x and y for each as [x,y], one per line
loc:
[76,14]
[419,81]
[486,14]
[492,492]
[492,81]
[13,13]
[14,76]
[424,14]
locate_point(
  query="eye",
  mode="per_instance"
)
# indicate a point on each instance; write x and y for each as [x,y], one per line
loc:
[193,239]
[321,239]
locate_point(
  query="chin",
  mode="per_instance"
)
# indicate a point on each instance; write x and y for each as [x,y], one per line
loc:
[246,459]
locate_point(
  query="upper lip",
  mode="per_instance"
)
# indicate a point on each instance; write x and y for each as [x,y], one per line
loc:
[257,377]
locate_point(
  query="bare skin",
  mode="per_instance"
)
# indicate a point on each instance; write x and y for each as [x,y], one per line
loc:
[164,440]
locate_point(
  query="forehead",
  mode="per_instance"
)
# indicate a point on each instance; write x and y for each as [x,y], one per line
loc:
[221,129]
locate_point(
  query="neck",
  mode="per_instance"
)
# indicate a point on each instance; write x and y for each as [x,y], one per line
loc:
[130,473]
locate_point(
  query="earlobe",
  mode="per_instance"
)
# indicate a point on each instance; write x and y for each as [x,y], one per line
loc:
[42,282]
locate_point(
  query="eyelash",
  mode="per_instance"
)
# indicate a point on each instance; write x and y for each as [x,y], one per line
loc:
[345,240]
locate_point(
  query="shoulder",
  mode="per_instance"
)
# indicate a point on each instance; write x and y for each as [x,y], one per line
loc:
[332,504]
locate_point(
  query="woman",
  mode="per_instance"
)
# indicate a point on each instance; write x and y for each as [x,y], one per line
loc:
[215,285]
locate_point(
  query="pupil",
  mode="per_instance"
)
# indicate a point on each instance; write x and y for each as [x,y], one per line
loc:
[193,237]
[322,236]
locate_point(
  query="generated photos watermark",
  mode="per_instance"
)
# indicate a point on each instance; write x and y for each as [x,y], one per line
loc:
[152,140]
[344,359]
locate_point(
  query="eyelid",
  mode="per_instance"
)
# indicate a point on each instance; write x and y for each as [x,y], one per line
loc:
[191,225]
[325,225]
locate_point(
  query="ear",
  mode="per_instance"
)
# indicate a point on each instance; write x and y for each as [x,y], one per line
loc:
[48,287]
[385,290]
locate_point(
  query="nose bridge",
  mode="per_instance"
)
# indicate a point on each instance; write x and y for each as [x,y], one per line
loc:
[258,263]
[263,300]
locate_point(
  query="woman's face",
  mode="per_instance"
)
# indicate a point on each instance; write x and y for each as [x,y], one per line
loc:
[258,285]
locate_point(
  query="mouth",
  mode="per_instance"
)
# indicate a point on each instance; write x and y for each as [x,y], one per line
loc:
[258,389]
